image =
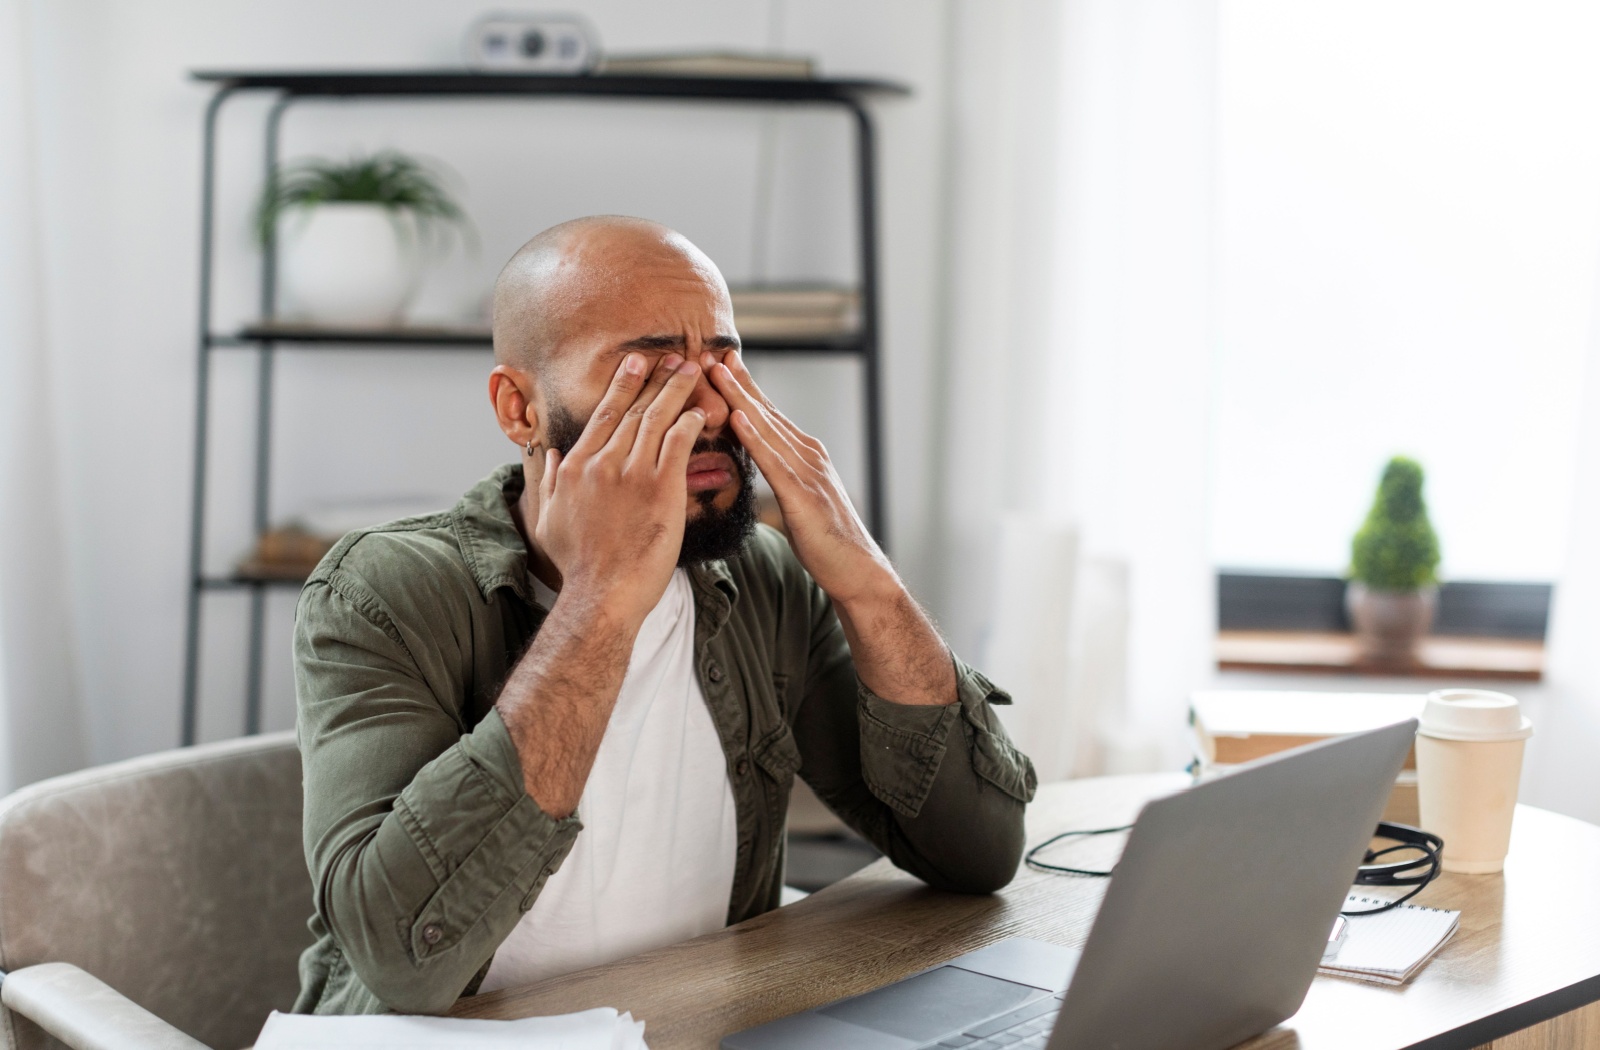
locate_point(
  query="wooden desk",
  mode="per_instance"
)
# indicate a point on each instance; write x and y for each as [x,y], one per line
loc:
[1527,952]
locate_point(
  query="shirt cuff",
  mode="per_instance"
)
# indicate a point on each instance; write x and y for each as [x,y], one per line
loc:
[902,745]
[489,746]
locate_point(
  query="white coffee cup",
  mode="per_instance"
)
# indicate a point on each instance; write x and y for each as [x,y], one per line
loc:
[1469,760]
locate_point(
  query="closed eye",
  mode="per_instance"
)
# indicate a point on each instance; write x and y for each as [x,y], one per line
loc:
[661,344]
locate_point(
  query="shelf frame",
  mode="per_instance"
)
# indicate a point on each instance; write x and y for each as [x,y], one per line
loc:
[292,86]
[445,83]
[454,339]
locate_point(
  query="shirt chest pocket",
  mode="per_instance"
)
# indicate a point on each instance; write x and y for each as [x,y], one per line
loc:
[774,750]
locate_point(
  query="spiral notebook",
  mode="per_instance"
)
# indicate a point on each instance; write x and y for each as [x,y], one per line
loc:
[1390,947]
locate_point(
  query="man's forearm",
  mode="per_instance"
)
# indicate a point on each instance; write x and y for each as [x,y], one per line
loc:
[559,698]
[897,651]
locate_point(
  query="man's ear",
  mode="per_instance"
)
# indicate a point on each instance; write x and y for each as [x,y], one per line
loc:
[511,392]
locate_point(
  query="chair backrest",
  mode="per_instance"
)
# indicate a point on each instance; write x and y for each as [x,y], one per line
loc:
[179,879]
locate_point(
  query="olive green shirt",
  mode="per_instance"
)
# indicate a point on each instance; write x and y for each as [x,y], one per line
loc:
[425,849]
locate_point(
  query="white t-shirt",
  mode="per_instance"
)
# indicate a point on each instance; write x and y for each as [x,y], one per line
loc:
[654,862]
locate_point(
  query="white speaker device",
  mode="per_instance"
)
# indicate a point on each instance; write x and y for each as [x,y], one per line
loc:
[527,43]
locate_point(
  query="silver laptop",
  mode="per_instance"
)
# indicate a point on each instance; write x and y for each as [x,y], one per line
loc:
[1209,934]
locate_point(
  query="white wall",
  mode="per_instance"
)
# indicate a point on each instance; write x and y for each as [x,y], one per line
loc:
[120,134]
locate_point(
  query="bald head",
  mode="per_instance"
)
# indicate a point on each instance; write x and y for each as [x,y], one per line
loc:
[575,275]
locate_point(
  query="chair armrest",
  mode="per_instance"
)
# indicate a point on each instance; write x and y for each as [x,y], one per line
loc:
[86,1013]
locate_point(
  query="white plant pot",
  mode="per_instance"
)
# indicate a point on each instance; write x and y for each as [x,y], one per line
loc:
[348,263]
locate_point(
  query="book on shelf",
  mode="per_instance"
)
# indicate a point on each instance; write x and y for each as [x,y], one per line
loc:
[797,311]
[791,300]
[708,64]
[291,550]
[284,552]
[1232,727]
[770,326]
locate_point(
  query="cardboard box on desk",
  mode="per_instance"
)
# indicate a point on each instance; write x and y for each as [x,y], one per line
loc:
[1232,727]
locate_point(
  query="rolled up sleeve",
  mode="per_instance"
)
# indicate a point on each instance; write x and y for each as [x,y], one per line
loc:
[939,789]
[903,745]
[424,848]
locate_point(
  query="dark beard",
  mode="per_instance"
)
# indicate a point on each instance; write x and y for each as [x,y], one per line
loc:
[714,533]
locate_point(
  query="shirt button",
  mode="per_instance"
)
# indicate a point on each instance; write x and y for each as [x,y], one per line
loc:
[743,767]
[431,934]
[714,672]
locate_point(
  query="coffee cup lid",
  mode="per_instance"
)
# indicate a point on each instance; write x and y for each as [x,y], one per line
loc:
[1473,714]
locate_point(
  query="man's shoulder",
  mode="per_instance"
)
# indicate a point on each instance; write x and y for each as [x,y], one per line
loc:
[404,569]
[395,548]
[468,550]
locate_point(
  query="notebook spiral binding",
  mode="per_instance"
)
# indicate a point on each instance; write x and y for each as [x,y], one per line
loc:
[1352,899]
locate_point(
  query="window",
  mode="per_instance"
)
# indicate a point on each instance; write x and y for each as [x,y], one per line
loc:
[1408,233]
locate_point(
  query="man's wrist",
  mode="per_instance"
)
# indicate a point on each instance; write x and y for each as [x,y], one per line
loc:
[596,611]
[874,593]
[899,655]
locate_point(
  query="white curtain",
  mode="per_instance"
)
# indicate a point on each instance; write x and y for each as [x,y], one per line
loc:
[1559,769]
[40,722]
[1079,328]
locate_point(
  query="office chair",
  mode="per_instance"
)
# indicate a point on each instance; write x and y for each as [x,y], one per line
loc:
[154,904]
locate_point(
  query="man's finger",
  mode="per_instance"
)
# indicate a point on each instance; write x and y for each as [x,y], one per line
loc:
[665,411]
[678,443]
[739,375]
[547,484]
[734,363]
[622,439]
[774,466]
[613,406]
[797,437]
[764,420]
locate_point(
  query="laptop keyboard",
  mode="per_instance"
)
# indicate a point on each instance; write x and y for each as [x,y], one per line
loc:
[1024,1029]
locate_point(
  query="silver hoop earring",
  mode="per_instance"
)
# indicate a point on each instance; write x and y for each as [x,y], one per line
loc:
[529,446]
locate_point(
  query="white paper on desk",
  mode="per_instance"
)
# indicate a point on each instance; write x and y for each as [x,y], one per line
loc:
[602,1029]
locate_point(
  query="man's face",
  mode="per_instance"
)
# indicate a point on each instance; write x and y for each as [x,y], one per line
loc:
[660,304]
[712,530]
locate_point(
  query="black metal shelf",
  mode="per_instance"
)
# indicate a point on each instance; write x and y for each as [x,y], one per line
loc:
[447,82]
[479,339]
[239,583]
[269,337]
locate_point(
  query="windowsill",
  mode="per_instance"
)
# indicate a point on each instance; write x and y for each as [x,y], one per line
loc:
[1308,652]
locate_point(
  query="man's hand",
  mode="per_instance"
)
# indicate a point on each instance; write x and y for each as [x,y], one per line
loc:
[611,517]
[829,537]
[896,650]
[611,512]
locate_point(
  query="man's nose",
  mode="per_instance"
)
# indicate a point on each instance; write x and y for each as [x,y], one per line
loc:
[706,399]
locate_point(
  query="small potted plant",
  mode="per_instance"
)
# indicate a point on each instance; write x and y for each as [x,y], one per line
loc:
[1394,559]
[353,235]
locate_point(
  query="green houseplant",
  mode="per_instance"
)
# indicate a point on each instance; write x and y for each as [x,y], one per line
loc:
[1394,561]
[353,235]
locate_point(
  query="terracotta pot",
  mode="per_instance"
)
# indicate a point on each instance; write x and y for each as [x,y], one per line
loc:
[1389,624]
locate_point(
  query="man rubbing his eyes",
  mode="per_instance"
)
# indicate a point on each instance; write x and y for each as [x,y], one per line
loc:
[558,723]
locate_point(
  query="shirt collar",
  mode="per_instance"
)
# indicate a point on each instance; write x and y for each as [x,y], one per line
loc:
[490,542]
